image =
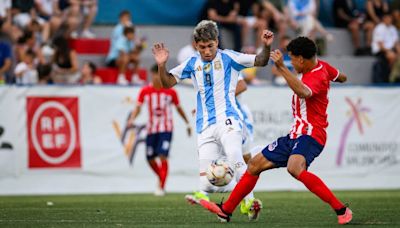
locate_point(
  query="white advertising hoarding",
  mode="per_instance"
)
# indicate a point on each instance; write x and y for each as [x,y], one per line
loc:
[61,140]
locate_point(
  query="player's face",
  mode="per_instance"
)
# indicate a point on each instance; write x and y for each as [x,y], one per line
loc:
[207,49]
[297,62]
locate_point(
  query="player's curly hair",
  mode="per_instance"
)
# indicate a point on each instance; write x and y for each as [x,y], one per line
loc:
[302,46]
[205,30]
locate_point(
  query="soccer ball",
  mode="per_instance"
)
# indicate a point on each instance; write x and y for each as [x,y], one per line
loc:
[220,173]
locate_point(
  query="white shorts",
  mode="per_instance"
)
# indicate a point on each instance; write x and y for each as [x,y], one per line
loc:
[222,140]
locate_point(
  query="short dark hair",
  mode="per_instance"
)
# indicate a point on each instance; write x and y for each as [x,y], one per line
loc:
[92,66]
[30,53]
[129,29]
[44,70]
[302,46]
[154,68]
[124,12]
[205,31]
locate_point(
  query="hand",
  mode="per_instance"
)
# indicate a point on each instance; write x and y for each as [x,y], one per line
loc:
[189,130]
[130,123]
[267,37]
[277,57]
[160,53]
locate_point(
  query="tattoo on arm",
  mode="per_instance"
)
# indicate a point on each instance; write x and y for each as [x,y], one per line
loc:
[263,57]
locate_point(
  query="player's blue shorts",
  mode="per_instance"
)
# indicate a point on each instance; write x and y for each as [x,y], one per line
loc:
[279,151]
[158,144]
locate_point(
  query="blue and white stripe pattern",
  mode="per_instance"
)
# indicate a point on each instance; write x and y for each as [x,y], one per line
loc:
[215,82]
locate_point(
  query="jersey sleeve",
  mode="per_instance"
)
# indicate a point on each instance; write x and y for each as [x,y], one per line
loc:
[241,76]
[183,70]
[333,73]
[239,60]
[140,98]
[175,98]
[315,83]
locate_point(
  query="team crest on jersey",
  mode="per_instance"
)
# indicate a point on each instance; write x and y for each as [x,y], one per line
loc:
[198,68]
[273,145]
[207,68]
[217,65]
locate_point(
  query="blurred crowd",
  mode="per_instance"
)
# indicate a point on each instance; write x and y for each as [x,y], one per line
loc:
[35,36]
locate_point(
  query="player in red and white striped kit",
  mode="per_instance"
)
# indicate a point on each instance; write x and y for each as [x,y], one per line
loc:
[307,138]
[159,126]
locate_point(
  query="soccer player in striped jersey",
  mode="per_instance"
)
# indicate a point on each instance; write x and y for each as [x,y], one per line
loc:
[214,73]
[305,141]
[159,126]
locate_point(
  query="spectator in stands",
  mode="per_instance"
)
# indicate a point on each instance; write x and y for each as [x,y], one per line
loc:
[5,62]
[346,15]
[47,10]
[6,24]
[395,8]
[28,42]
[225,13]
[125,20]
[385,45]
[186,52]
[44,74]
[252,15]
[122,53]
[88,75]
[278,16]
[304,13]
[24,14]
[65,62]
[25,71]
[278,79]
[375,10]
[87,8]
[69,10]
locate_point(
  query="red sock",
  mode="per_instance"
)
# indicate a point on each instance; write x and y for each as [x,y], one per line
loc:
[242,189]
[318,187]
[155,167]
[163,172]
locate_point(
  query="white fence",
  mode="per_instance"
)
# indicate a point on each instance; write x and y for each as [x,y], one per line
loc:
[67,140]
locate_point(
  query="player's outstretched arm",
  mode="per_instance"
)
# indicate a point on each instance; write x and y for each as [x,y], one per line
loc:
[263,57]
[183,115]
[134,114]
[341,78]
[161,54]
[294,83]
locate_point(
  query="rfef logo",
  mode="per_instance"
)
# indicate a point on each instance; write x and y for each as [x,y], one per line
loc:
[53,132]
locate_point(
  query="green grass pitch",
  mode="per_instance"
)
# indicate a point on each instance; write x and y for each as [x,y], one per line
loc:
[281,209]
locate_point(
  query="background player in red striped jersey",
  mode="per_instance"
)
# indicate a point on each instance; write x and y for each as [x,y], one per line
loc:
[159,126]
[307,138]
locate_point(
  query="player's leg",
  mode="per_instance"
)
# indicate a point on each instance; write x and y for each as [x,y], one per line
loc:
[208,150]
[306,149]
[272,156]
[151,153]
[163,147]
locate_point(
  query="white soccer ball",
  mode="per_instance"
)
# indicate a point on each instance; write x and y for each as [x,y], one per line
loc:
[220,173]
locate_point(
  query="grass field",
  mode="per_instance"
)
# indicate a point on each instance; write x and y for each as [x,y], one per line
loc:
[281,209]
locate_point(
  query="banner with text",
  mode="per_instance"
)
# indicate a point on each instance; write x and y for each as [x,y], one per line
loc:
[65,140]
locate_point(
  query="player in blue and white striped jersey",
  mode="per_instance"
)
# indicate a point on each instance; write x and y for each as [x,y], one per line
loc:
[214,73]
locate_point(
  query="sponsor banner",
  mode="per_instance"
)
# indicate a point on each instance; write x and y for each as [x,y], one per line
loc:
[76,140]
[53,132]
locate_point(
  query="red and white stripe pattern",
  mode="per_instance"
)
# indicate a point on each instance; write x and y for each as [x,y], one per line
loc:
[159,103]
[310,114]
